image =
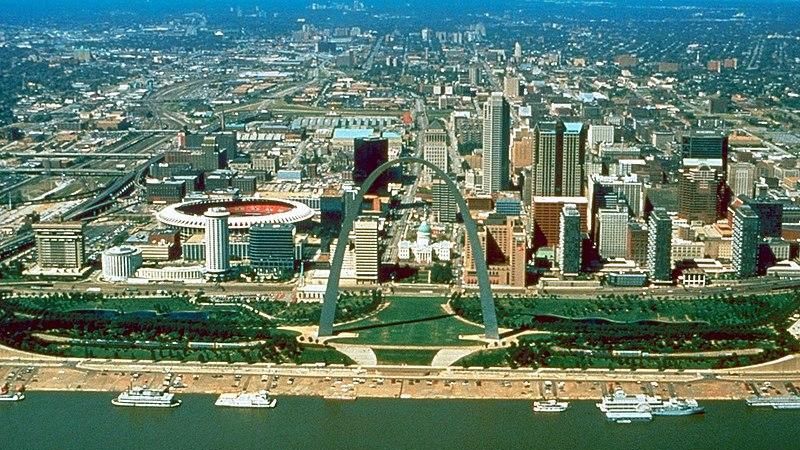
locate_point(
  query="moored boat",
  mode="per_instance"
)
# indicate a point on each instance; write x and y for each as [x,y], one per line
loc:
[7,395]
[550,406]
[259,399]
[144,397]
[775,401]
[678,407]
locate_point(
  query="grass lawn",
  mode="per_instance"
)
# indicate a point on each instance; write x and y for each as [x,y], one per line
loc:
[402,356]
[410,321]
[485,358]
[316,354]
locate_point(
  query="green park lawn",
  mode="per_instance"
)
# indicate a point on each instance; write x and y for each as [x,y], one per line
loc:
[410,321]
[403,356]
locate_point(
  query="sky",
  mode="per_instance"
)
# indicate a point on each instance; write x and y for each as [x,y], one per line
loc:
[54,9]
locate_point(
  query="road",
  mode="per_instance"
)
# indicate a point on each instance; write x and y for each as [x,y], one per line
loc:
[321,73]
[391,254]
[455,157]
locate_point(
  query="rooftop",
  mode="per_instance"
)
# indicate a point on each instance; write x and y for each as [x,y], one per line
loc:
[573,127]
[353,133]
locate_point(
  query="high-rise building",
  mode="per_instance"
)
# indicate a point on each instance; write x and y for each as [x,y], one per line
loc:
[517,51]
[366,240]
[629,188]
[573,156]
[770,214]
[474,74]
[435,150]
[496,141]
[659,245]
[545,158]
[508,205]
[699,194]
[511,87]
[503,242]
[203,153]
[744,247]
[570,241]
[559,153]
[637,244]
[217,242]
[60,245]
[368,155]
[272,248]
[545,216]
[444,204]
[741,178]
[612,242]
[599,134]
[705,144]
[521,149]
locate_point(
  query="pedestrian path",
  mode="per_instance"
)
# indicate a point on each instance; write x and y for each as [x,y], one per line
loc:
[361,355]
[448,356]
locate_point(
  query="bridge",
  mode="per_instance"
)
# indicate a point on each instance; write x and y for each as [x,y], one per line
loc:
[106,198]
[103,155]
[56,171]
[16,245]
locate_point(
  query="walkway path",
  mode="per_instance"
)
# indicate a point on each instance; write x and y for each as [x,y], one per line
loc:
[361,355]
[448,356]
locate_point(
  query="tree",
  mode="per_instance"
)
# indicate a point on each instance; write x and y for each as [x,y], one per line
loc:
[441,273]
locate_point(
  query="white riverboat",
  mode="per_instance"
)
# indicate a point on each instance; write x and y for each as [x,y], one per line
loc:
[144,397]
[7,395]
[550,406]
[259,399]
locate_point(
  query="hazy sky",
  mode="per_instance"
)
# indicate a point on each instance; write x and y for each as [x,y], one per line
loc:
[34,9]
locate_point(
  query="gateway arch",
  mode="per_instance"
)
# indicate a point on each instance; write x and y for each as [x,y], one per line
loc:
[332,289]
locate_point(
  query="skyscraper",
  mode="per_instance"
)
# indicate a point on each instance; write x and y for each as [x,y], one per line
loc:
[600,133]
[444,204]
[559,153]
[511,87]
[699,194]
[545,158]
[521,149]
[545,215]
[368,155]
[573,155]
[435,150]
[659,245]
[517,51]
[744,247]
[637,243]
[705,144]
[612,242]
[366,240]
[770,214]
[496,141]
[474,75]
[741,178]
[569,241]
[503,242]
[629,188]
[60,245]
[217,242]
[272,248]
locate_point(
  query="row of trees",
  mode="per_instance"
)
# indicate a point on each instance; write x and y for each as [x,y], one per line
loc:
[717,310]
[348,307]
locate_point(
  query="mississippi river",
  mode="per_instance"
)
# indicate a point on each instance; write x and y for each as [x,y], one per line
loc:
[65,421]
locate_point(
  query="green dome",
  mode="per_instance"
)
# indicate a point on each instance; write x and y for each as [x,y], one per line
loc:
[424,227]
